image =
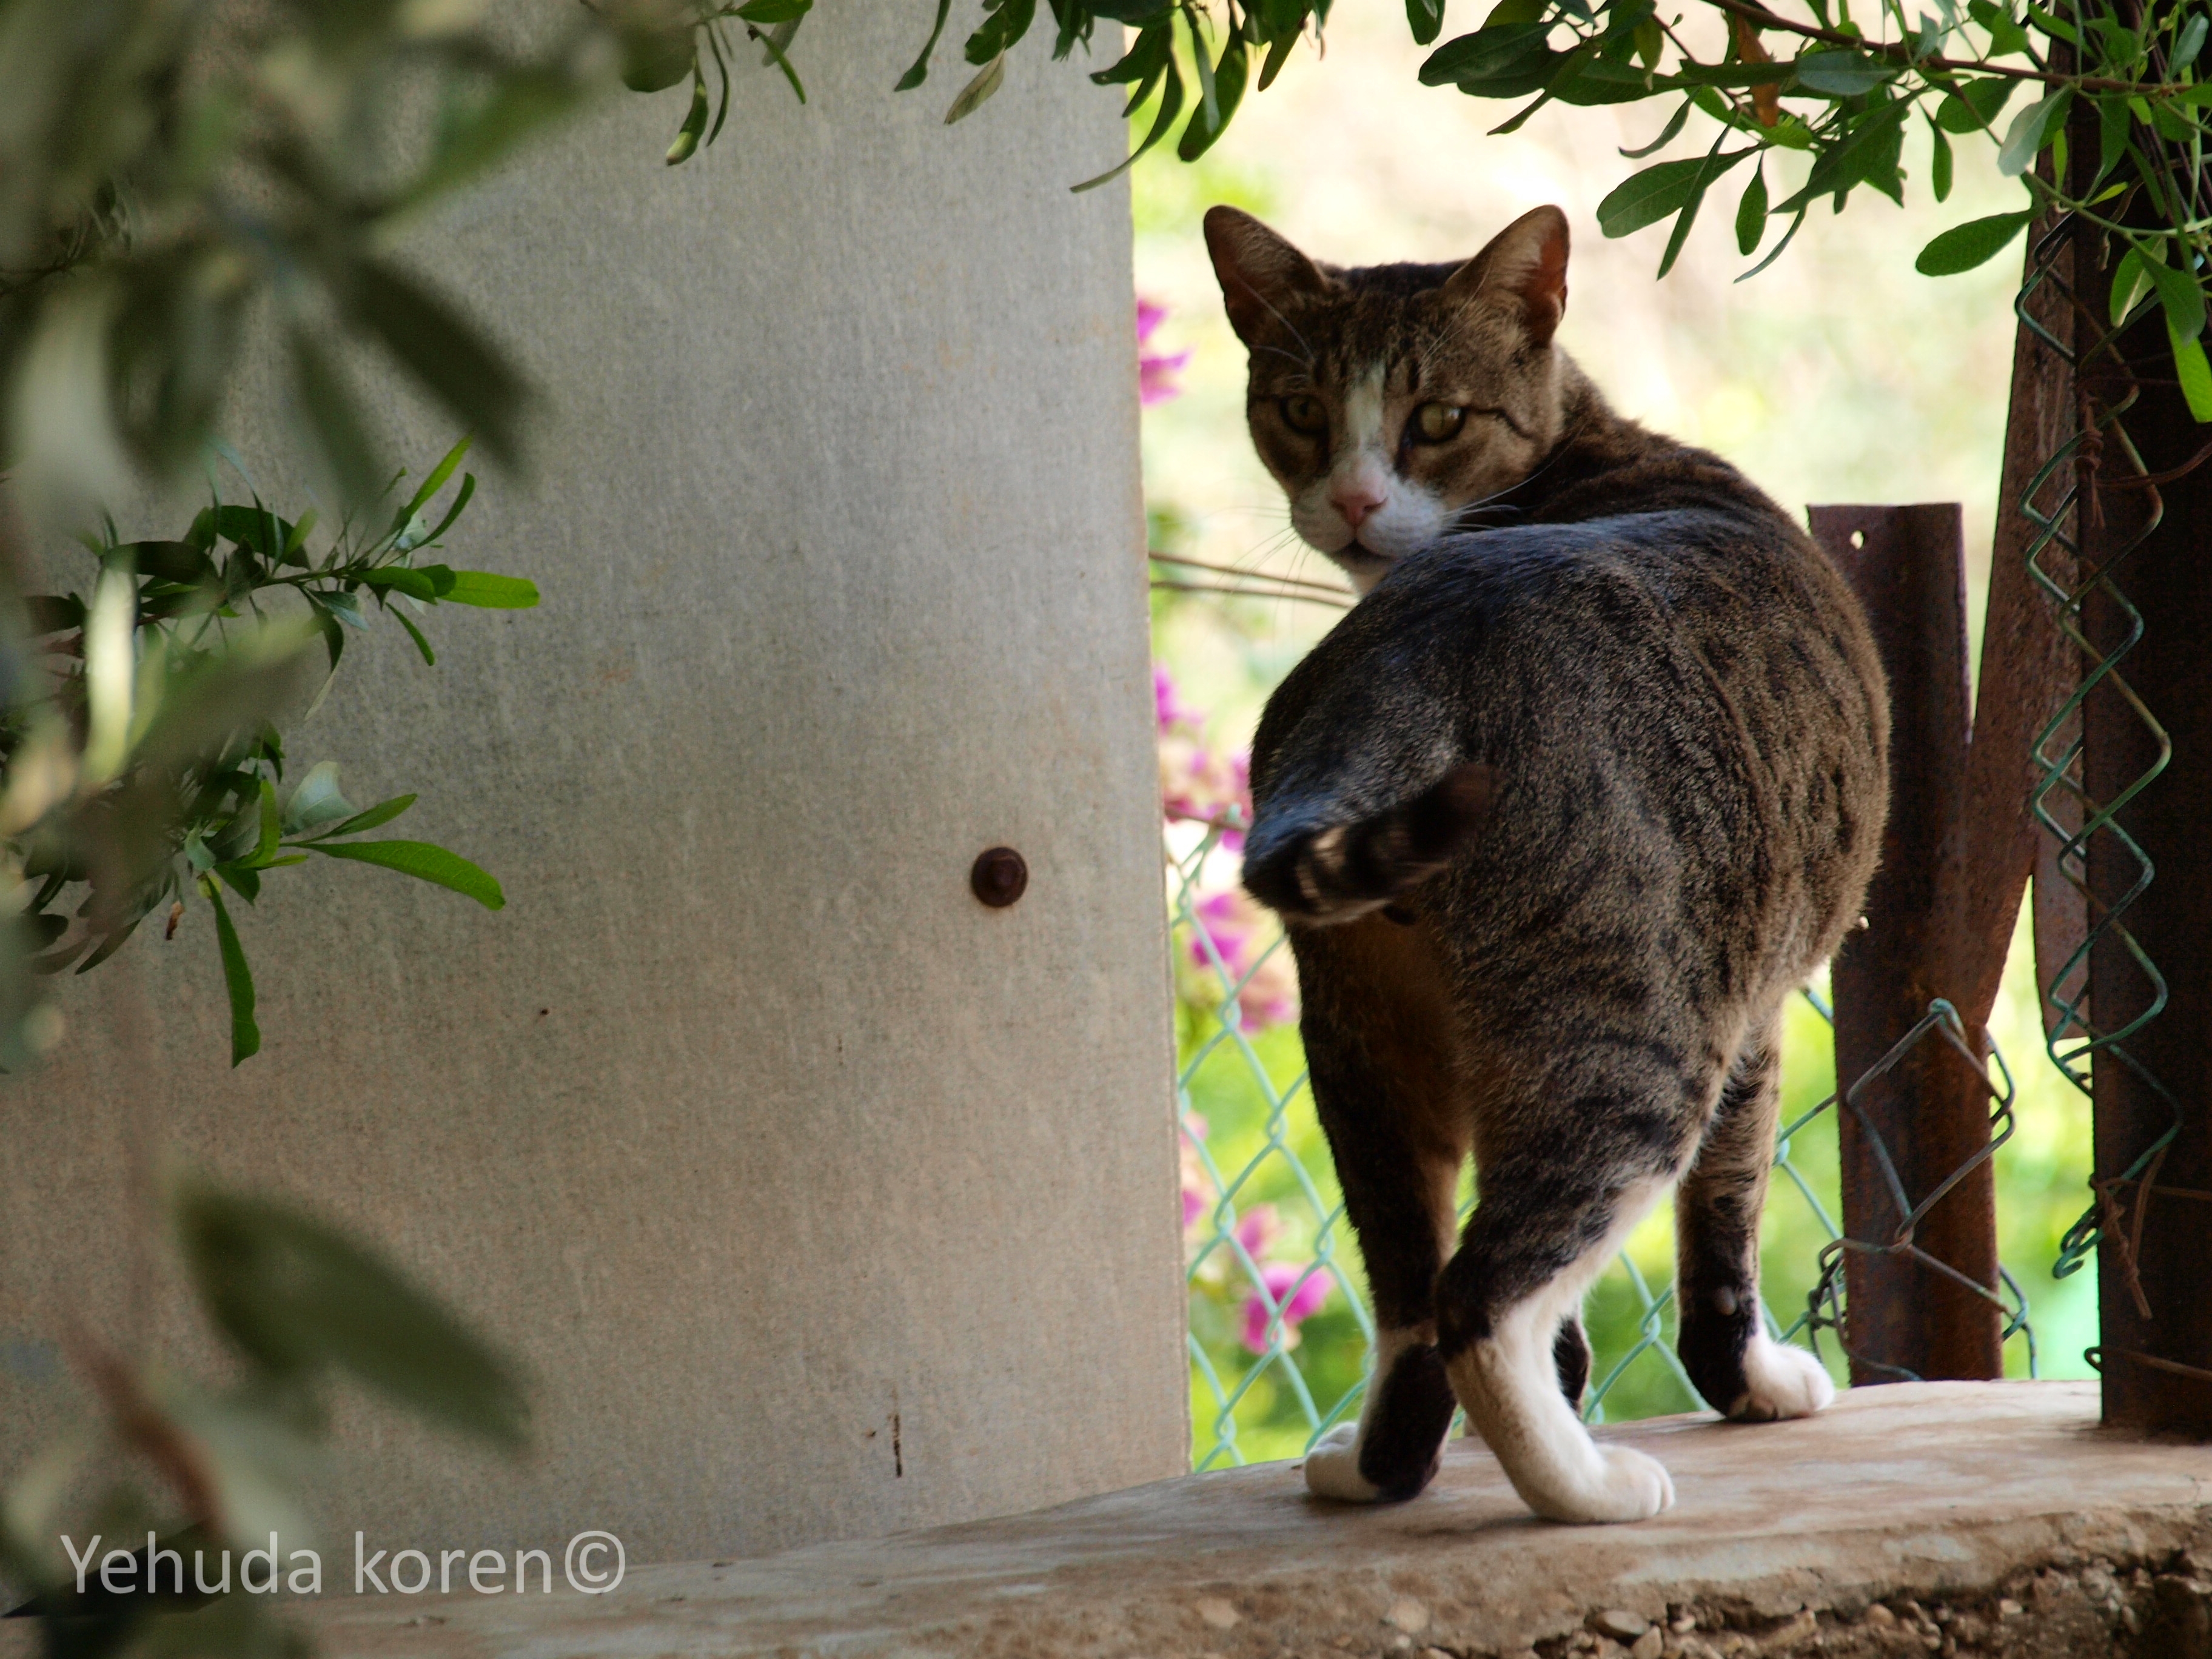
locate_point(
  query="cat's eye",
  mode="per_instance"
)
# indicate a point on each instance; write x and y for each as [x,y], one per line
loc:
[1304,414]
[1438,423]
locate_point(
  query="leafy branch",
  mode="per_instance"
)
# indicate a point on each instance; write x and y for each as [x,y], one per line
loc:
[1827,121]
[134,771]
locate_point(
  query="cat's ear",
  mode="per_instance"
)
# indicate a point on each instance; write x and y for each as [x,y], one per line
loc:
[1261,275]
[1525,265]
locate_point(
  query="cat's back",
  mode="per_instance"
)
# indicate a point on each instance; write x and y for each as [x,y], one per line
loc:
[1681,702]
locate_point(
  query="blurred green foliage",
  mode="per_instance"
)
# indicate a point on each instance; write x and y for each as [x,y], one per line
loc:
[203,1468]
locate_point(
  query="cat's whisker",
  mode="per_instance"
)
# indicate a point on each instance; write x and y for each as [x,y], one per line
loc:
[1226,591]
[1247,574]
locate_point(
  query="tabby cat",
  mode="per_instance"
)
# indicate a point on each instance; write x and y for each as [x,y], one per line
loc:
[1588,782]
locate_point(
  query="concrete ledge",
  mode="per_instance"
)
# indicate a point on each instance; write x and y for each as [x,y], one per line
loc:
[1995,1518]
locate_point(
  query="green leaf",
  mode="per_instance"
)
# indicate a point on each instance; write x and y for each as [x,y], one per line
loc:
[1938,163]
[2024,139]
[460,503]
[169,562]
[242,879]
[1425,18]
[775,11]
[415,634]
[1725,74]
[447,354]
[1842,74]
[2114,119]
[327,625]
[2130,279]
[972,97]
[1148,55]
[413,583]
[421,860]
[431,486]
[2183,300]
[1667,134]
[296,542]
[1645,197]
[1973,106]
[2191,43]
[1586,80]
[237,978]
[1977,242]
[2006,36]
[316,802]
[1230,80]
[481,587]
[345,607]
[686,142]
[1870,149]
[1000,29]
[2057,28]
[1508,53]
[1162,123]
[1713,167]
[377,816]
[256,528]
[1208,108]
[1750,213]
[294,1296]
[2194,373]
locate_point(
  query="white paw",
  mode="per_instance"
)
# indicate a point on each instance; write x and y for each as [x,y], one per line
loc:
[1628,1487]
[1332,1467]
[1780,1381]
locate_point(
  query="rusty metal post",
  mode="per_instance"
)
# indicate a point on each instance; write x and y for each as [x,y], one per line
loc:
[2146,521]
[1931,1111]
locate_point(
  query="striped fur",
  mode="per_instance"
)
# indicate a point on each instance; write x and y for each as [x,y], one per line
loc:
[1587,784]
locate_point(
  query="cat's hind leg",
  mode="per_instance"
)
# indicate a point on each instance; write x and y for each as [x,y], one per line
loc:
[1742,1372]
[1542,1232]
[1386,1087]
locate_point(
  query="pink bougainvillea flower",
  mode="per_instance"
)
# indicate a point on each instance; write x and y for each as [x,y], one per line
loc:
[1257,1229]
[1196,780]
[1295,1305]
[1153,368]
[1167,702]
[1241,934]
[1153,385]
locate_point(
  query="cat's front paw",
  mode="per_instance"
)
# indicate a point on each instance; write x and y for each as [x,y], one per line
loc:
[1780,1381]
[1627,1487]
[1332,1467]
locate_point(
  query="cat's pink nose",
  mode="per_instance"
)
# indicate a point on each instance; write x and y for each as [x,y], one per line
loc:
[1357,502]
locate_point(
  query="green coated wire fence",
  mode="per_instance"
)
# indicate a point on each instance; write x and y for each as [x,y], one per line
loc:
[2060,800]
[1280,1324]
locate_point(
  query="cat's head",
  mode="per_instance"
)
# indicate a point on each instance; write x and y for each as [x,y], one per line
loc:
[1388,399]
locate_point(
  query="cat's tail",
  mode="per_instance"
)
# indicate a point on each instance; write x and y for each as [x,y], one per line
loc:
[1337,871]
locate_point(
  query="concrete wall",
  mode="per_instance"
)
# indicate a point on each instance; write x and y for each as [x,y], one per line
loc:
[823,1200]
